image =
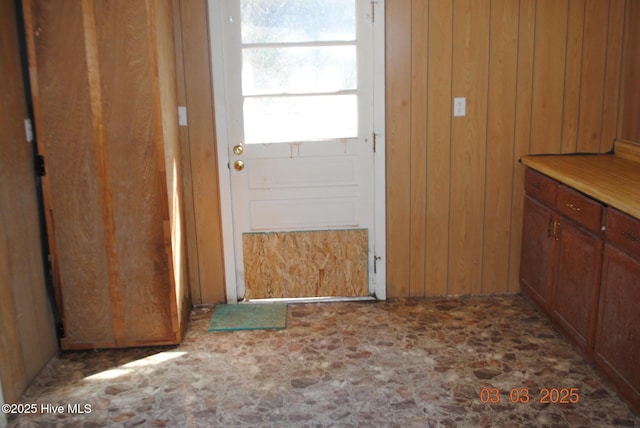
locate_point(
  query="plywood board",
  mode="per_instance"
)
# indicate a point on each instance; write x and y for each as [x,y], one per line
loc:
[136,170]
[306,264]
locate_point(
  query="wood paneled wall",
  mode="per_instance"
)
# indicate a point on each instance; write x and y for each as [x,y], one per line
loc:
[539,76]
[27,336]
[630,87]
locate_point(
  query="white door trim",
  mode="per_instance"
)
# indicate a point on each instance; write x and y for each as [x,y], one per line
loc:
[222,132]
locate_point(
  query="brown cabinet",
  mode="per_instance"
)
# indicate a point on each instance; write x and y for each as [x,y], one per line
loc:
[103,82]
[574,299]
[538,252]
[617,344]
[561,256]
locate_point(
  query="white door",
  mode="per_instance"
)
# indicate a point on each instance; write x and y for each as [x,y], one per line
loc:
[299,94]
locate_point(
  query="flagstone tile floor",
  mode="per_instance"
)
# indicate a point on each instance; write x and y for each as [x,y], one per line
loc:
[404,363]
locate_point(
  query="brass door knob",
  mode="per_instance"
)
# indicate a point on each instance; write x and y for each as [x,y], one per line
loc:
[238,165]
[238,150]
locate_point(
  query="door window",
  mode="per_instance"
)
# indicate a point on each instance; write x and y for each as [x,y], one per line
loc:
[299,70]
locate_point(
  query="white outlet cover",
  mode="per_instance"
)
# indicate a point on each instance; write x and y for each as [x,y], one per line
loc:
[459,106]
[182,116]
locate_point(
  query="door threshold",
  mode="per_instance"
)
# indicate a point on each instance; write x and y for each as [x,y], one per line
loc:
[310,300]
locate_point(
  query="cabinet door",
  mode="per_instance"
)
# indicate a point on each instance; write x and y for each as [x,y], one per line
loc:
[617,341]
[576,286]
[536,266]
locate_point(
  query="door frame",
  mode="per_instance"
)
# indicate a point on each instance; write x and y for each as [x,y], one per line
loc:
[224,170]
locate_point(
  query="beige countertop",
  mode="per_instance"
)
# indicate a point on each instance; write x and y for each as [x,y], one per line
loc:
[612,178]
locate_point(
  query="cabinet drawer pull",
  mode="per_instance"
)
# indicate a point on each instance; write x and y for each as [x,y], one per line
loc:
[631,236]
[537,186]
[573,207]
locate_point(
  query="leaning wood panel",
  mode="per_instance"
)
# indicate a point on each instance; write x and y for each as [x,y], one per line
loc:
[163,51]
[202,145]
[418,167]
[548,75]
[136,180]
[61,96]
[468,145]
[524,95]
[306,264]
[500,130]
[593,73]
[190,236]
[398,155]
[439,105]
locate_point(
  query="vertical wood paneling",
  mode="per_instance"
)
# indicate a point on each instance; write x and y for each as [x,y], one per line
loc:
[522,134]
[468,143]
[398,153]
[439,105]
[419,63]
[629,125]
[434,161]
[612,90]
[539,77]
[572,79]
[548,75]
[593,72]
[500,130]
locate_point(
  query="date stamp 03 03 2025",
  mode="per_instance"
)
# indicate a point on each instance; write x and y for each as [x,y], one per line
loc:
[24,408]
[523,396]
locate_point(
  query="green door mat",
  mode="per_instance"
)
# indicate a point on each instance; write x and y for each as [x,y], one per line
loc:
[258,316]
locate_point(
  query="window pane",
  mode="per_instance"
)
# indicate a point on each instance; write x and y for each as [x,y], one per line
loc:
[269,21]
[298,70]
[292,119]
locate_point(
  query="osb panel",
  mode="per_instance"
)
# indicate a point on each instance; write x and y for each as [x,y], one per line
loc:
[305,264]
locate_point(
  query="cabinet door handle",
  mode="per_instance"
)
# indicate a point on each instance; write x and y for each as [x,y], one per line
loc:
[555,230]
[552,229]
[573,207]
[630,235]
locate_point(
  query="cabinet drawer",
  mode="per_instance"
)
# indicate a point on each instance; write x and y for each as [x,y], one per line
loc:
[623,231]
[579,208]
[540,187]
